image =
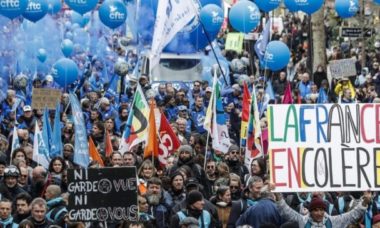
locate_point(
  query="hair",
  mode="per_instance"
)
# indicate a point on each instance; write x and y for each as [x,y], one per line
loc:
[154,180]
[100,125]
[263,166]
[146,163]
[57,159]
[20,149]
[223,170]
[222,190]
[5,200]
[55,190]
[24,196]
[38,202]
[235,177]
[253,180]
[26,224]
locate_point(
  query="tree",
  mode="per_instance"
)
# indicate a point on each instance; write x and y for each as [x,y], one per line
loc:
[318,41]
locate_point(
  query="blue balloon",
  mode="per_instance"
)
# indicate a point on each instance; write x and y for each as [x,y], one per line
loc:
[81,6]
[13,9]
[309,6]
[346,9]
[67,47]
[36,10]
[113,13]
[41,55]
[291,5]
[277,55]
[68,35]
[54,6]
[76,18]
[65,72]
[244,16]
[190,39]
[267,5]
[212,17]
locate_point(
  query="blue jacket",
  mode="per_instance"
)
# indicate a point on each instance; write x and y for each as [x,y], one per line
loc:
[198,118]
[264,211]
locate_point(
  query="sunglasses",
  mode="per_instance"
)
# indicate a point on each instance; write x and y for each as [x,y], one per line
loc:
[234,152]
[234,187]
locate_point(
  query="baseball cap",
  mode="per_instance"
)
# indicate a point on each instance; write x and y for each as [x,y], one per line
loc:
[208,89]
[182,108]
[27,108]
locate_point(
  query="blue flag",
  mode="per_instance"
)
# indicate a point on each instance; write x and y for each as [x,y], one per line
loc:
[56,146]
[46,130]
[269,90]
[81,155]
[262,42]
[322,96]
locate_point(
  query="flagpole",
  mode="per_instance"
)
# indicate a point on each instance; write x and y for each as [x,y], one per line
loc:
[209,42]
[205,161]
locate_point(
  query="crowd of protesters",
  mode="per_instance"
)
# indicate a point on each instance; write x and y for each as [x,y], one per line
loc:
[185,193]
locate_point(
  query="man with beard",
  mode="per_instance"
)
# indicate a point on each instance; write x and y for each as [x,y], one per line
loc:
[22,207]
[186,158]
[233,161]
[250,198]
[122,118]
[194,208]
[211,176]
[160,202]
[10,189]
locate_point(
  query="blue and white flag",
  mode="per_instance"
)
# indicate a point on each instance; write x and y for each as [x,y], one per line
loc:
[40,149]
[46,130]
[81,155]
[172,17]
[262,42]
[56,145]
[15,140]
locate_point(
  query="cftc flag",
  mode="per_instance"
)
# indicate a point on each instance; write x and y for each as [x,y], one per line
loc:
[172,17]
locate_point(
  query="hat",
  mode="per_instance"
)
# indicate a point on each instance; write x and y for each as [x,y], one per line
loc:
[344,79]
[182,108]
[27,108]
[176,173]
[317,202]
[233,147]
[236,87]
[376,219]
[186,148]
[208,89]
[192,182]
[193,197]
[49,78]
[189,222]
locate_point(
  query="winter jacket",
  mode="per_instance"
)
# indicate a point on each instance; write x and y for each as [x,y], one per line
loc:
[8,223]
[265,210]
[336,221]
[57,211]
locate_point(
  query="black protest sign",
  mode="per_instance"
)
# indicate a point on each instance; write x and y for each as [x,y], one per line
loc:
[103,194]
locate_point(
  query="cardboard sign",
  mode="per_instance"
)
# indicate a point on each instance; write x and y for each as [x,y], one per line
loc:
[42,98]
[104,194]
[235,42]
[342,68]
[325,147]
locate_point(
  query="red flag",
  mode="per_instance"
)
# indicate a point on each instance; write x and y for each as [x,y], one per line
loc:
[94,154]
[245,114]
[288,98]
[299,99]
[108,144]
[169,141]
[151,148]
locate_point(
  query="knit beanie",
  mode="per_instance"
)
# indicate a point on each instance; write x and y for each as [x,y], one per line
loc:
[233,147]
[317,202]
[186,148]
[193,197]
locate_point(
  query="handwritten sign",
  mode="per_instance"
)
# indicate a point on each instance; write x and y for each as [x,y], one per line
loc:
[329,147]
[104,194]
[342,68]
[235,42]
[42,98]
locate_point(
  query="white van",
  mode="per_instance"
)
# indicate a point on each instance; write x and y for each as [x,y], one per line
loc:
[174,68]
